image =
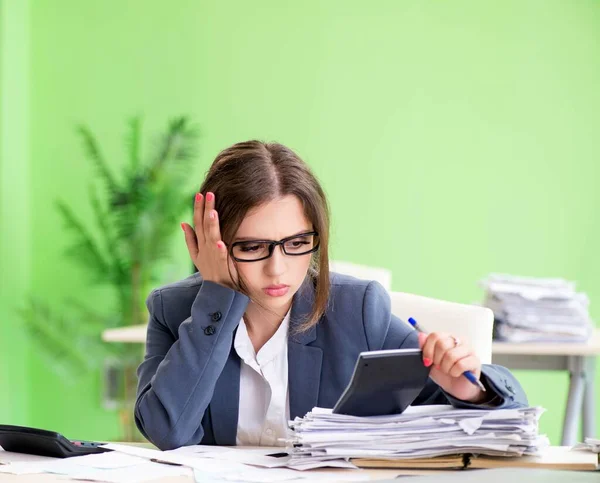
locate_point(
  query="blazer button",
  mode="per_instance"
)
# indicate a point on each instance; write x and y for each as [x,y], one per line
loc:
[216,316]
[210,330]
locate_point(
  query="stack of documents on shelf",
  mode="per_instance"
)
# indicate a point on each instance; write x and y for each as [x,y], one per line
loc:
[537,309]
[419,432]
[590,444]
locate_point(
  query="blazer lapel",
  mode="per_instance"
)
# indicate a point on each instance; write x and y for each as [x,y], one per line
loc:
[224,406]
[304,361]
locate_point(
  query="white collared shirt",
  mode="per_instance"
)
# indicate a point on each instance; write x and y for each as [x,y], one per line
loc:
[264,408]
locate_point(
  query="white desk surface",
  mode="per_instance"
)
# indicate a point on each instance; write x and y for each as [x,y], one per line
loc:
[137,334]
[553,457]
[546,460]
[373,474]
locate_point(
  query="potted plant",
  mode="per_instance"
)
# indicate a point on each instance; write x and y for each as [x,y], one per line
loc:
[122,248]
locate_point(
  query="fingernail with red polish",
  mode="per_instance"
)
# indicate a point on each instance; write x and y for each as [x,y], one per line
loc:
[219,245]
[183,227]
[427,362]
[198,197]
[210,197]
[436,367]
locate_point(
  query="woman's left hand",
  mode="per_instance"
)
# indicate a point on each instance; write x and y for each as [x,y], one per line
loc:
[450,357]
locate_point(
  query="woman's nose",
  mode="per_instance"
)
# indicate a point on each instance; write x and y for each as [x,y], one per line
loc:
[276,263]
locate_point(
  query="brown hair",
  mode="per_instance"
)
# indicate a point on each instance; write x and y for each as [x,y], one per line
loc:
[251,173]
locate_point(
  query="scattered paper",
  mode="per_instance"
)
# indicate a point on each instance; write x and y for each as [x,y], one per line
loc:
[590,444]
[109,460]
[108,467]
[22,464]
[134,474]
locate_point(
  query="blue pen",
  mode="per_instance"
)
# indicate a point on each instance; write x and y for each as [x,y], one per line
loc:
[468,374]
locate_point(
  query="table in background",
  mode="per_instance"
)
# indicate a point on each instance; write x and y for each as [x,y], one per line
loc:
[579,359]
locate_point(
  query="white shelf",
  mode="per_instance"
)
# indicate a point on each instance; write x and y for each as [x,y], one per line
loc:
[137,334]
[133,334]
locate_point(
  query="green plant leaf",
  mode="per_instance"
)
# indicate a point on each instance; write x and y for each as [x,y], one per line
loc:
[84,250]
[92,150]
[50,330]
[134,221]
[117,261]
[133,142]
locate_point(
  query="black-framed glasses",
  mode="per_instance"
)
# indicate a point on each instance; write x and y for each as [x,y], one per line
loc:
[255,250]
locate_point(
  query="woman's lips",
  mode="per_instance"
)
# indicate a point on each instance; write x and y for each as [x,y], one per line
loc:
[276,290]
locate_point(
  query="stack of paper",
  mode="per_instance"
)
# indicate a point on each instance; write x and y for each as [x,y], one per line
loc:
[419,432]
[537,309]
[590,444]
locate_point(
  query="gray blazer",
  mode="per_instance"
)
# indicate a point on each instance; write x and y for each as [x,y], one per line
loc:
[188,389]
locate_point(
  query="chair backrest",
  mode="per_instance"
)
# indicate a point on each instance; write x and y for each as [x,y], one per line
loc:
[365,272]
[469,322]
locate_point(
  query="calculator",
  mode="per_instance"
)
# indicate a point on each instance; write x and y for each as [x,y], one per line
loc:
[21,439]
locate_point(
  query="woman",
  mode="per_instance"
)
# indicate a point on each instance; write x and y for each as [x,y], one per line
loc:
[264,332]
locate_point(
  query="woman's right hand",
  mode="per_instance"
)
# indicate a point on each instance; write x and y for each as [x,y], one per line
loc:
[207,250]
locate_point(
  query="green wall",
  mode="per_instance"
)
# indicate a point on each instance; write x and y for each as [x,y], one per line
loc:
[453,138]
[15,208]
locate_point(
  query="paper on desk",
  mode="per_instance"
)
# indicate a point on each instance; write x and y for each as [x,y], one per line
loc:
[250,456]
[109,460]
[199,448]
[130,474]
[213,463]
[411,412]
[590,444]
[470,425]
[22,468]
[210,464]
[261,458]
[274,475]
[114,470]
[148,454]
[217,460]
[10,457]
[20,463]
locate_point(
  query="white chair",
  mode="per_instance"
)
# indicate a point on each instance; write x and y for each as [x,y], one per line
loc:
[469,322]
[364,272]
